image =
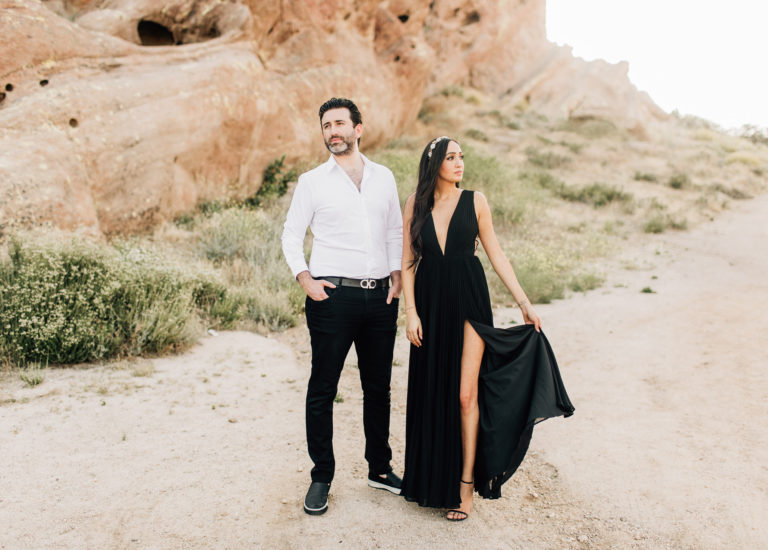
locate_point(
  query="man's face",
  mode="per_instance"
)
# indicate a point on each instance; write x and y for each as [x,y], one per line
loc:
[339,134]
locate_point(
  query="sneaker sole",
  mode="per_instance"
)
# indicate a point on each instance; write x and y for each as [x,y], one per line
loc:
[377,485]
[316,512]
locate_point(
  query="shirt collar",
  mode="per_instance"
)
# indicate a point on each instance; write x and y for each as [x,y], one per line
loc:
[331,164]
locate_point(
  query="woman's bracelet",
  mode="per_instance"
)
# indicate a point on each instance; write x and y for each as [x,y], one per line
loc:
[409,307]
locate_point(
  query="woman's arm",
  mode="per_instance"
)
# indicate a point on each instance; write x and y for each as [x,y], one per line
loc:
[499,261]
[413,323]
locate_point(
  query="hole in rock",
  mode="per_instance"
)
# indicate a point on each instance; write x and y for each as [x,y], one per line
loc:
[213,32]
[2,96]
[347,16]
[154,34]
[44,82]
[472,17]
[403,18]
[9,87]
[73,122]
[397,58]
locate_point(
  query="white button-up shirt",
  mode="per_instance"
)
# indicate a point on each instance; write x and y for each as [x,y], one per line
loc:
[357,234]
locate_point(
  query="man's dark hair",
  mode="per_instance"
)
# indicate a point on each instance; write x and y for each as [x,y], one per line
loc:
[341,102]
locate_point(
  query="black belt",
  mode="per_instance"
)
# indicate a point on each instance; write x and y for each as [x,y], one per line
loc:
[367,284]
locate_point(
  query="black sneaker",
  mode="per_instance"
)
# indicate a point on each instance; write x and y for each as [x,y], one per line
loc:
[316,501]
[389,482]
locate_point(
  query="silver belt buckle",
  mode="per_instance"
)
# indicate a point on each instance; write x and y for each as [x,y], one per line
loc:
[368,283]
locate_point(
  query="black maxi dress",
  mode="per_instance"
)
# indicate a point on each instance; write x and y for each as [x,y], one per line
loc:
[519,383]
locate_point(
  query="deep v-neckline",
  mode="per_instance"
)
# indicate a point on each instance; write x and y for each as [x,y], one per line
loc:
[444,247]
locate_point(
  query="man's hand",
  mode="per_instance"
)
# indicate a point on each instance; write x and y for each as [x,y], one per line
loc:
[314,288]
[396,287]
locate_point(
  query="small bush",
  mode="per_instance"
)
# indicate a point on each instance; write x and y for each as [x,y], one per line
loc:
[659,222]
[679,181]
[590,127]
[501,119]
[646,176]
[33,374]
[72,302]
[574,148]
[452,90]
[596,194]
[546,160]
[545,270]
[731,192]
[754,134]
[655,224]
[274,183]
[747,158]
[478,135]
[246,245]
[583,282]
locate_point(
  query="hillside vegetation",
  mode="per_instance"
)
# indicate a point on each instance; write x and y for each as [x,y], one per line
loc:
[564,194]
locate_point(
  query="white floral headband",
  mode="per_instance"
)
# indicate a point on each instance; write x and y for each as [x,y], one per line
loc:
[432,145]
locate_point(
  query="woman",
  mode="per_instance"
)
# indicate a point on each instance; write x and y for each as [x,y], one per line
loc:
[473,391]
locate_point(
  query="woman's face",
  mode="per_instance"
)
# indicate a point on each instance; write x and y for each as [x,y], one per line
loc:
[452,168]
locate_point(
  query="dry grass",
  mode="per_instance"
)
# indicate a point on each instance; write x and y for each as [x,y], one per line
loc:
[564,193]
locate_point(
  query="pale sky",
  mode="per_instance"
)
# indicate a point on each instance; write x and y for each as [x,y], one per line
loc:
[703,57]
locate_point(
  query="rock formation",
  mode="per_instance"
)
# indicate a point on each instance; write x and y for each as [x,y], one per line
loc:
[118,114]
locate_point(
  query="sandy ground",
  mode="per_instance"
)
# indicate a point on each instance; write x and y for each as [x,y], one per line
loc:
[668,447]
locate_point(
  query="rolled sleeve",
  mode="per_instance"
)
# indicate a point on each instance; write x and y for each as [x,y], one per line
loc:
[295,228]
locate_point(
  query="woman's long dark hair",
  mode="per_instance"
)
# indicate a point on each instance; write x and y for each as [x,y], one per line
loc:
[424,199]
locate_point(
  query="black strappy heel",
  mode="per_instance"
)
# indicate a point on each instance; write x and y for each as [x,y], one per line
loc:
[463,515]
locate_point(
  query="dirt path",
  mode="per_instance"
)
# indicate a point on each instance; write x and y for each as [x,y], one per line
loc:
[206,450]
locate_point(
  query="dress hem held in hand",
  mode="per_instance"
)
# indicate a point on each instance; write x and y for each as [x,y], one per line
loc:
[520,385]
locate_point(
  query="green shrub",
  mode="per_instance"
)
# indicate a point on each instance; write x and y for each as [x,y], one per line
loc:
[33,374]
[478,135]
[645,176]
[452,90]
[596,194]
[546,160]
[658,222]
[590,127]
[246,245]
[655,224]
[274,183]
[71,302]
[679,181]
[583,282]
[574,148]
[731,192]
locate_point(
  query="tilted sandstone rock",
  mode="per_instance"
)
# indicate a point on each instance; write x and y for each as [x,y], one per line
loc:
[118,114]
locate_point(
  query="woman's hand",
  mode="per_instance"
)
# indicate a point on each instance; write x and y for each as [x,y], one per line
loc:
[413,328]
[530,317]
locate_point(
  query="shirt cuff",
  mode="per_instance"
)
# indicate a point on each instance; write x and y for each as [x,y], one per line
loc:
[298,268]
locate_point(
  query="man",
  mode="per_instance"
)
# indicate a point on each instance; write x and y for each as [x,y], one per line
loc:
[352,285]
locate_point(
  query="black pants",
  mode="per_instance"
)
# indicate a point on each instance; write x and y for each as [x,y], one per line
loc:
[363,317]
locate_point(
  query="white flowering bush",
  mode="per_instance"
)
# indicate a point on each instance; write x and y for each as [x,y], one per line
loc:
[75,301]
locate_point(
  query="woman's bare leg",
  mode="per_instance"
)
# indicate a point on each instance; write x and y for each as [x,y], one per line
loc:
[471,357]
